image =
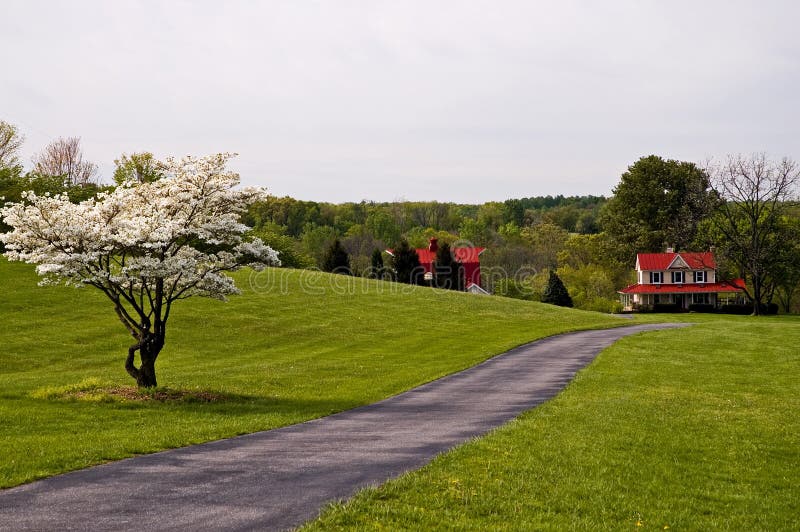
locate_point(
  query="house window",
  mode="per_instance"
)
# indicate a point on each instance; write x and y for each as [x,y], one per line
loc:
[700,277]
[701,299]
[677,277]
[656,277]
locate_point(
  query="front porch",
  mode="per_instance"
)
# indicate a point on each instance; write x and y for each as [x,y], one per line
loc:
[677,302]
[680,302]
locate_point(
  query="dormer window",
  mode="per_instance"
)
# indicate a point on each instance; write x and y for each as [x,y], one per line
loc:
[677,277]
[700,277]
[656,277]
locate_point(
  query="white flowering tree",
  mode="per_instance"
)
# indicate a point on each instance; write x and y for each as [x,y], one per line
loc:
[145,246]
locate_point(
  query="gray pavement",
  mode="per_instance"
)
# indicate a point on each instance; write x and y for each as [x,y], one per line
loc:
[278,479]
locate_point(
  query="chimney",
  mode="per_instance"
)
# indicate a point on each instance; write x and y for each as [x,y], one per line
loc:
[433,245]
[670,250]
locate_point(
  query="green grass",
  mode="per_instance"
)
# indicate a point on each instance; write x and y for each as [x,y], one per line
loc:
[691,429]
[277,356]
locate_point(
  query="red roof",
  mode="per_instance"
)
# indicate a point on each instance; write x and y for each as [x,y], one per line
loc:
[662,261]
[737,285]
[462,255]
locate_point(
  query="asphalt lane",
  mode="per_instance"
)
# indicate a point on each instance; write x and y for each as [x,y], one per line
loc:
[278,479]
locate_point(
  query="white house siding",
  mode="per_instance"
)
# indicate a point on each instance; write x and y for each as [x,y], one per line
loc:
[666,277]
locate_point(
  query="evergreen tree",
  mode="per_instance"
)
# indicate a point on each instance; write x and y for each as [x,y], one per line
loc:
[336,259]
[376,261]
[406,264]
[443,267]
[459,277]
[556,293]
[448,272]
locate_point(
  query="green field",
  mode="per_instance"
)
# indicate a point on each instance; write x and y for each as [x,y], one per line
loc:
[694,428]
[295,348]
[690,429]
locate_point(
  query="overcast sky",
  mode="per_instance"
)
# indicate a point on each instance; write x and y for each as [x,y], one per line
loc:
[453,101]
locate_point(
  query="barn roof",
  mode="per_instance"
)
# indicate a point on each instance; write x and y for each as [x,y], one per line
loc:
[462,255]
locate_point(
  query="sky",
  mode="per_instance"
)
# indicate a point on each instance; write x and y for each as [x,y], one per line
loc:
[463,101]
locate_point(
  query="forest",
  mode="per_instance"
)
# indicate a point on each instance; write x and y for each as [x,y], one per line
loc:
[524,239]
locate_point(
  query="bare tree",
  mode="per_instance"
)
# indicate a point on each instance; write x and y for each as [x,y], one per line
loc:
[10,143]
[63,158]
[755,194]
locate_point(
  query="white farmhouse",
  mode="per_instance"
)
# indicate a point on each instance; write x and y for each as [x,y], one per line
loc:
[680,279]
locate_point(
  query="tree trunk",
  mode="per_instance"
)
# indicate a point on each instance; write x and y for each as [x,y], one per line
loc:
[756,296]
[147,371]
[149,347]
[785,296]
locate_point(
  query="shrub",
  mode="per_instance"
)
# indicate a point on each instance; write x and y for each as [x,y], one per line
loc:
[601,304]
[513,289]
[666,307]
[742,310]
[701,307]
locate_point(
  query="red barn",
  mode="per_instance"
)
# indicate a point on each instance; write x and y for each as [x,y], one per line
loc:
[470,259]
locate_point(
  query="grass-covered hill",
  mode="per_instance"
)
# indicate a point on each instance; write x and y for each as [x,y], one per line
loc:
[691,428]
[294,346]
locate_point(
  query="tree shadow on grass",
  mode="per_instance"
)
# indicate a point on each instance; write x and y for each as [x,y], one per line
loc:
[94,390]
[194,400]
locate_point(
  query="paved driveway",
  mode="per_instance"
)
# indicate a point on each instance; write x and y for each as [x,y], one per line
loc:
[278,479]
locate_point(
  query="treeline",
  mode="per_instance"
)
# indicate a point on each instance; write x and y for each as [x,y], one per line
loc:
[384,224]
[744,209]
[524,238]
[389,221]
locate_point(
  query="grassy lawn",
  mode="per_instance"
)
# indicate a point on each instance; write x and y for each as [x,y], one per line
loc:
[291,350]
[690,429]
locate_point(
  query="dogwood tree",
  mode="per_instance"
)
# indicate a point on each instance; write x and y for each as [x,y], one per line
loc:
[144,245]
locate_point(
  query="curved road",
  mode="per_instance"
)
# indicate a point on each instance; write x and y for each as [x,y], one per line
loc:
[280,478]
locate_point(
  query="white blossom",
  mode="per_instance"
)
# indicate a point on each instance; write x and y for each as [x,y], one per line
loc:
[183,229]
[144,245]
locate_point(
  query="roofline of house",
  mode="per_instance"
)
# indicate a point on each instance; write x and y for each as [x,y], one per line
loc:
[723,287]
[699,256]
[675,258]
